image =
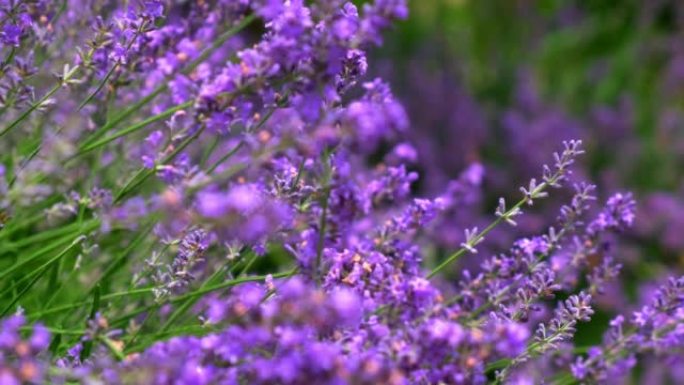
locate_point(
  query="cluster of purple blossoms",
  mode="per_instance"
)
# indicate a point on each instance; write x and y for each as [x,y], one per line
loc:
[657,327]
[260,144]
[22,359]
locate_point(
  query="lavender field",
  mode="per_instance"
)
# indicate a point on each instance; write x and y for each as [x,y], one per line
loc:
[304,192]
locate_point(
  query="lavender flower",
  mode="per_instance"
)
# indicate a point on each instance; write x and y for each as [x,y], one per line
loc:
[21,359]
[257,210]
[655,328]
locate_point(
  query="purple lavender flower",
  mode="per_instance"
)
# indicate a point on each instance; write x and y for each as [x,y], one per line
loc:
[655,328]
[211,140]
[21,358]
[243,213]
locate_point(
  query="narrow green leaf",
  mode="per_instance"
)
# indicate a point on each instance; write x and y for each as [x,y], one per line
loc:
[120,260]
[88,345]
[38,273]
[141,176]
[136,127]
[28,112]
[124,114]
[54,344]
[34,256]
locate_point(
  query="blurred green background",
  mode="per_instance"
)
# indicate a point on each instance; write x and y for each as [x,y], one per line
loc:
[580,55]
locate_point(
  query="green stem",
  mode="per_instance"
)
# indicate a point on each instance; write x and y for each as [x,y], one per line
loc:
[111,70]
[124,115]
[144,173]
[33,107]
[136,127]
[40,272]
[147,290]
[225,157]
[537,192]
[453,257]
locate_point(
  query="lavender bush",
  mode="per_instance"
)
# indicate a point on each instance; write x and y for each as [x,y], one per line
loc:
[218,192]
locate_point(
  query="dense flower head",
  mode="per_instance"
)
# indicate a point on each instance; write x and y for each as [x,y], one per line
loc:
[21,359]
[619,213]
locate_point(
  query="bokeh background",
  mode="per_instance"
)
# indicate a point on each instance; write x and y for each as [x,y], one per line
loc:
[492,87]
